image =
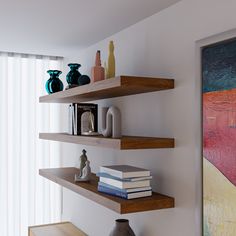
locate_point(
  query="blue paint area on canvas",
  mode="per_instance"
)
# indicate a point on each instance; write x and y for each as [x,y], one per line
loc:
[219,67]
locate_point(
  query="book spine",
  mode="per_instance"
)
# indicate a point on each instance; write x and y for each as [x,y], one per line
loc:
[126,191]
[102,174]
[96,118]
[112,192]
[124,175]
[115,173]
[112,187]
[70,121]
[74,120]
[119,184]
[78,118]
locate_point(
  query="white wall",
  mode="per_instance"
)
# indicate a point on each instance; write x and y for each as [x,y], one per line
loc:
[162,45]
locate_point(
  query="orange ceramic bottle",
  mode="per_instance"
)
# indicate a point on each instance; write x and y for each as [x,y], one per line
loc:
[97,72]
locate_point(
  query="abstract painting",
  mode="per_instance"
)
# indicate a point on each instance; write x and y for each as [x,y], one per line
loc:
[219,138]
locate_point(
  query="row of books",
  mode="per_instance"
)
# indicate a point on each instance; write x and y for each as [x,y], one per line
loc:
[83,119]
[124,181]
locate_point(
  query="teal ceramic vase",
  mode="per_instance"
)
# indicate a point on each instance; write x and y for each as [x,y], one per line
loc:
[122,228]
[54,84]
[73,76]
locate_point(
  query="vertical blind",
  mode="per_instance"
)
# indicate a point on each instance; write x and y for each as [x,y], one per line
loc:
[25,197]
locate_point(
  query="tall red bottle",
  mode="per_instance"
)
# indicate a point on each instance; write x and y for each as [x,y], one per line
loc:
[97,72]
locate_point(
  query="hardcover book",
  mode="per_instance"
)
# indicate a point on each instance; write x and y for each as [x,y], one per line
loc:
[83,118]
[120,184]
[124,195]
[124,171]
[102,174]
[72,124]
[129,190]
[70,120]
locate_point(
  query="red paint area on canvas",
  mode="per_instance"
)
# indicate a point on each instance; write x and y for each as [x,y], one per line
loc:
[219,131]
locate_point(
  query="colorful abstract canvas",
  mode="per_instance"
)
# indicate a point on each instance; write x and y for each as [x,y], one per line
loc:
[219,139]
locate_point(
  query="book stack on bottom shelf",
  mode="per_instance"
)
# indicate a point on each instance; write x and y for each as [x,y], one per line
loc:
[124,181]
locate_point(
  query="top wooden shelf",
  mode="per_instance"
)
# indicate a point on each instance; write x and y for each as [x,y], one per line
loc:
[115,87]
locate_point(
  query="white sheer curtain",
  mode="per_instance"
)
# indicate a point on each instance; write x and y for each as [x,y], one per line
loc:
[25,197]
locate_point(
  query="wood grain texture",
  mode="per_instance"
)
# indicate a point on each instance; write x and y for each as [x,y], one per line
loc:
[65,178]
[58,229]
[124,143]
[114,87]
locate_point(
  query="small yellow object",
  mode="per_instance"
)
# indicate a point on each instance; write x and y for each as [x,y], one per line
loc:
[111,61]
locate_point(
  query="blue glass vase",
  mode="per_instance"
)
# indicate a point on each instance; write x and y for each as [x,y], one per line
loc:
[73,75]
[54,84]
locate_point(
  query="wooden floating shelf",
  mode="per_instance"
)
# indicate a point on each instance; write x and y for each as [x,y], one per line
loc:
[114,87]
[65,178]
[124,143]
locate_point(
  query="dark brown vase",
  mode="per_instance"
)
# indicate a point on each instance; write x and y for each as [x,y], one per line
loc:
[122,228]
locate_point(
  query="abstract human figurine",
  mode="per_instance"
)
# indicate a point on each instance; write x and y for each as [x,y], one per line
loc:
[86,173]
[111,68]
[85,170]
[111,122]
[83,159]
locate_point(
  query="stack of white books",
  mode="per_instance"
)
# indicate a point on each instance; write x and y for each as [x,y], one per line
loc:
[124,181]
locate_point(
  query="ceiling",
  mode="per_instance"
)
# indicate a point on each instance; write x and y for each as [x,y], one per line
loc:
[56,26]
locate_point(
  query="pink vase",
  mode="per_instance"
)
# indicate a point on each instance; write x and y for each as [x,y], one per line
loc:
[97,72]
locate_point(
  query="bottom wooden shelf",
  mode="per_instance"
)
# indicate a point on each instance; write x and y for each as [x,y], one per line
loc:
[58,229]
[65,177]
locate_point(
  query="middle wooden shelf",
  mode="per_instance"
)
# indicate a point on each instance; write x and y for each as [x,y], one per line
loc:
[65,178]
[123,143]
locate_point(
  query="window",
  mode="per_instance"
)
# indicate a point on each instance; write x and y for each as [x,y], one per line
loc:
[25,197]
